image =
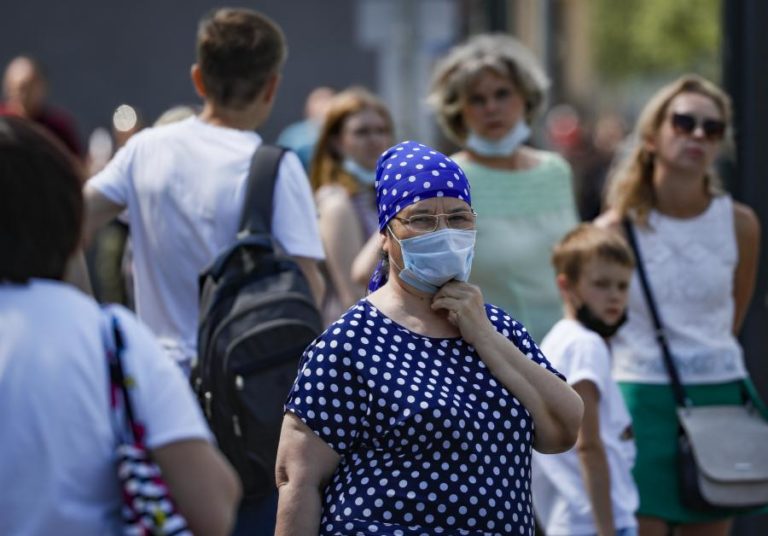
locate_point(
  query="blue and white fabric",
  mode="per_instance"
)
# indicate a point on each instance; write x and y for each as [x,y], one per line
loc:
[431,442]
[408,173]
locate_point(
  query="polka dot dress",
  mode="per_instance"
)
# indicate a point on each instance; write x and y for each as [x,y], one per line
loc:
[430,442]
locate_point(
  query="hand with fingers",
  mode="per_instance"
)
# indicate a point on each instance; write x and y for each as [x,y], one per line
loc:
[464,305]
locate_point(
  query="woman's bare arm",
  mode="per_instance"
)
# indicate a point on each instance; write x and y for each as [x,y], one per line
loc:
[203,484]
[365,262]
[342,239]
[748,240]
[305,466]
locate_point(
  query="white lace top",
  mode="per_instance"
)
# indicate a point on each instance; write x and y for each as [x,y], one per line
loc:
[690,265]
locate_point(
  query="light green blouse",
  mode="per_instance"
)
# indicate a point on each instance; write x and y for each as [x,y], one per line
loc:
[520,217]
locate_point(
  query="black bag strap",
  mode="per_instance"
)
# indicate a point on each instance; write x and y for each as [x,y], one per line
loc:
[677,387]
[257,208]
[117,374]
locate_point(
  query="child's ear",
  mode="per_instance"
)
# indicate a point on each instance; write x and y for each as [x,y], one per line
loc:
[563,283]
[565,287]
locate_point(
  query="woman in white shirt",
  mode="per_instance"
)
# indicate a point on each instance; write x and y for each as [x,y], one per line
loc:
[57,449]
[699,249]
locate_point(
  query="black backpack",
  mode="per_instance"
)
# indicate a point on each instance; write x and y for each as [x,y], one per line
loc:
[257,316]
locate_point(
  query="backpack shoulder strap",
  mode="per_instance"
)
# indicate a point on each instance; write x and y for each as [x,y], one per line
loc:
[257,207]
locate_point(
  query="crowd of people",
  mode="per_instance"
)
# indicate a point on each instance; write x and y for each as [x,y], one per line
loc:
[489,364]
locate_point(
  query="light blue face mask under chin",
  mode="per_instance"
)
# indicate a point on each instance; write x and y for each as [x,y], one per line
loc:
[364,176]
[505,146]
[431,260]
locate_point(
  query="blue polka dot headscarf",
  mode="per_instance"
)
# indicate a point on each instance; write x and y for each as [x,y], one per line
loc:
[408,173]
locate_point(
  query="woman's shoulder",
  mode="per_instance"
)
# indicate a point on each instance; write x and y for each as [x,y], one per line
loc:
[136,335]
[504,322]
[359,319]
[610,219]
[747,226]
[549,161]
[332,193]
[745,218]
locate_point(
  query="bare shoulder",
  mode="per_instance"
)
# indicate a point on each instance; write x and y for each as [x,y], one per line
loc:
[332,196]
[610,220]
[746,222]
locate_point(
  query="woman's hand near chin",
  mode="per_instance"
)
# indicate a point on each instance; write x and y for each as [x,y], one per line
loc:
[556,408]
[465,308]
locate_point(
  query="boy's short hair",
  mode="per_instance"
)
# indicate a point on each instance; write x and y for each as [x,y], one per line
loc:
[586,242]
[41,203]
[237,51]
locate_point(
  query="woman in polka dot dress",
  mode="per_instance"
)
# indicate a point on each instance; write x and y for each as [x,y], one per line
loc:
[416,411]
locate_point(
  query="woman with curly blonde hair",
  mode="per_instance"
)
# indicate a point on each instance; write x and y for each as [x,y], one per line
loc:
[699,249]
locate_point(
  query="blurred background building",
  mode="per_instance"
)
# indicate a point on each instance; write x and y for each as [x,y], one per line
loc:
[605,57]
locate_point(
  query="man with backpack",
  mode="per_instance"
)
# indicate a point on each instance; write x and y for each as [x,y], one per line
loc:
[184,184]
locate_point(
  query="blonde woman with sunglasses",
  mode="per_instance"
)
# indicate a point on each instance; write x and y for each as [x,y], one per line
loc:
[700,251]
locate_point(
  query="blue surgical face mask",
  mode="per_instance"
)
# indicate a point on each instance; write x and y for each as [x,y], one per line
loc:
[431,260]
[502,147]
[365,176]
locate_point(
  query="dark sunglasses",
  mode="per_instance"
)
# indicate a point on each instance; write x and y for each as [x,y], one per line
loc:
[713,129]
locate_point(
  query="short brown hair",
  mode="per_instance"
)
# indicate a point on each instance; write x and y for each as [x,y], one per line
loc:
[237,51]
[586,242]
[41,203]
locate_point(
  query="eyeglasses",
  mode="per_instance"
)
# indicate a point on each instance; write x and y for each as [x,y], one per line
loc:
[426,223]
[713,129]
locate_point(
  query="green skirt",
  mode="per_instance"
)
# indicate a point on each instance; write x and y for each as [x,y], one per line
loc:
[654,421]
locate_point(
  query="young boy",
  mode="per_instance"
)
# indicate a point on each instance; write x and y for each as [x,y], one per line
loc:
[589,489]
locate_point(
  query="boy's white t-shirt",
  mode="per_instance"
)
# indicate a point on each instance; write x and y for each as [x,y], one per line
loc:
[57,445]
[560,497]
[183,185]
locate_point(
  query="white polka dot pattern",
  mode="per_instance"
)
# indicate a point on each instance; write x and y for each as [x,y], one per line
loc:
[431,443]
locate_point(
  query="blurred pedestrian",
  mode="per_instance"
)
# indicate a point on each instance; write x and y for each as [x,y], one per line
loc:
[486,93]
[106,251]
[607,137]
[700,250]
[25,92]
[57,449]
[183,183]
[301,136]
[357,129]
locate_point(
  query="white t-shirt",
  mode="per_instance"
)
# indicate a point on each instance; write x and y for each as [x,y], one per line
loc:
[559,494]
[183,185]
[57,463]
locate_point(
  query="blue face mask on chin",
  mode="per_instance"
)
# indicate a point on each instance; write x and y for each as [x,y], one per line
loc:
[505,146]
[364,176]
[431,260]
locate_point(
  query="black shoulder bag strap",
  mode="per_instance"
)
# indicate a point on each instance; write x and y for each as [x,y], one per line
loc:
[116,373]
[677,387]
[257,208]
